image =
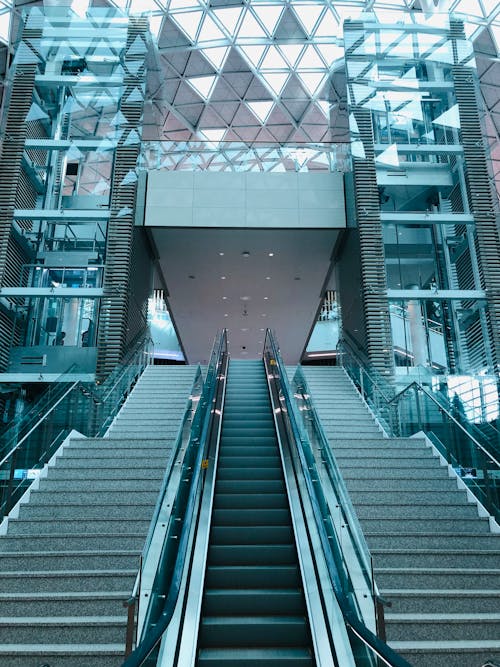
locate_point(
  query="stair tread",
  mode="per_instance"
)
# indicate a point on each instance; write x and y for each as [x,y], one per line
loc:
[411,617]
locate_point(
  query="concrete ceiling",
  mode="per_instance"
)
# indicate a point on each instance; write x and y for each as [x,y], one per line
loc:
[282,291]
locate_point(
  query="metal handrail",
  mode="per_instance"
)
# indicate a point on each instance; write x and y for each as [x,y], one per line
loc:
[422,389]
[141,652]
[380,648]
[416,385]
[340,487]
[33,428]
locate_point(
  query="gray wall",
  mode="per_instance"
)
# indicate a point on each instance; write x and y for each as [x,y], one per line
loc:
[247,199]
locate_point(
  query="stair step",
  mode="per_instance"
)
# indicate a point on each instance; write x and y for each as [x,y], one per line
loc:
[69,560]
[433,627]
[402,485]
[62,655]
[443,653]
[63,542]
[416,510]
[86,512]
[116,473]
[86,603]
[90,497]
[49,484]
[438,578]
[404,526]
[24,526]
[436,558]
[440,601]
[431,540]
[441,498]
[72,581]
[63,629]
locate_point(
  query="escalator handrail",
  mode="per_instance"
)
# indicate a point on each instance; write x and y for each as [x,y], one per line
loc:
[380,648]
[173,457]
[143,650]
[334,473]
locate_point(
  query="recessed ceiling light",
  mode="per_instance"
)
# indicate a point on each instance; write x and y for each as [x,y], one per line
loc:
[221,254]
[263,314]
[271,254]
[262,329]
[245,253]
[245,329]
[224,298]
[225,315]
[224,277]
[266,298]
[268,277]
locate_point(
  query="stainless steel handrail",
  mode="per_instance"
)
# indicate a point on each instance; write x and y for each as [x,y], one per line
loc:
[45,415]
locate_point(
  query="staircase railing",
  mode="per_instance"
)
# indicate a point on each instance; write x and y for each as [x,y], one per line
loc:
[415,409]
[366,646]
[88,408]
[165,567]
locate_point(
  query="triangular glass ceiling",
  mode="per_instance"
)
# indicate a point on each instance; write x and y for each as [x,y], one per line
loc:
[203,85]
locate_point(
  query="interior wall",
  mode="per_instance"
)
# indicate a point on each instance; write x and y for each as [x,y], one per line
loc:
[348,278]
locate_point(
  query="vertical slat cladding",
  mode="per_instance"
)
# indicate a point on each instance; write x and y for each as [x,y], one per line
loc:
[12,151]
[376,308]
[481,196]
[113,315]
[13,188]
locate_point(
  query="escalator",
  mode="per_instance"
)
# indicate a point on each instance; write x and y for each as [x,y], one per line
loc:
[250,571]
[253,606]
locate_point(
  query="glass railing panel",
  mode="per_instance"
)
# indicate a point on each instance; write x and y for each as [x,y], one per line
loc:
[457,442]
[27,447]
[416,409]
[354,552]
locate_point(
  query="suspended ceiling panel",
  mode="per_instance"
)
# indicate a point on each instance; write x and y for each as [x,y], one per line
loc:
[245,280]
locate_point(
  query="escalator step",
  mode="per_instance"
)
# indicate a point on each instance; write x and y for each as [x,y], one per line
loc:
[253,602]
[236,535]
[251,517]
[253,631]
[250,486]
[228,473]
[252,554]
[252,576]
[275,657]
[257,500]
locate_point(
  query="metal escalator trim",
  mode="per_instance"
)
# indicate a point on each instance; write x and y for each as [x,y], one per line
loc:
[323,636]
[187,645]
[380,648]
[207,439]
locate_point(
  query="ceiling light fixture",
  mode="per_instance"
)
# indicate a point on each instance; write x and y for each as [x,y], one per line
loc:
[245,253]
[271,254]
[268,277]
[223,277]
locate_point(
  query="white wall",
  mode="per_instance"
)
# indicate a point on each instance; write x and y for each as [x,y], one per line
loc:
[247,199]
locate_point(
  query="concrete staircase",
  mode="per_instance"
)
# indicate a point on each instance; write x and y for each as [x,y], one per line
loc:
[435,559]
[70,557]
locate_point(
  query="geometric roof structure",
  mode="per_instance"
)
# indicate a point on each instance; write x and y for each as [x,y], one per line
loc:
[272,71]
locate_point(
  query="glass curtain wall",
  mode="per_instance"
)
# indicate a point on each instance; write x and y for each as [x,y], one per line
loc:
[403,75]
[73,127]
